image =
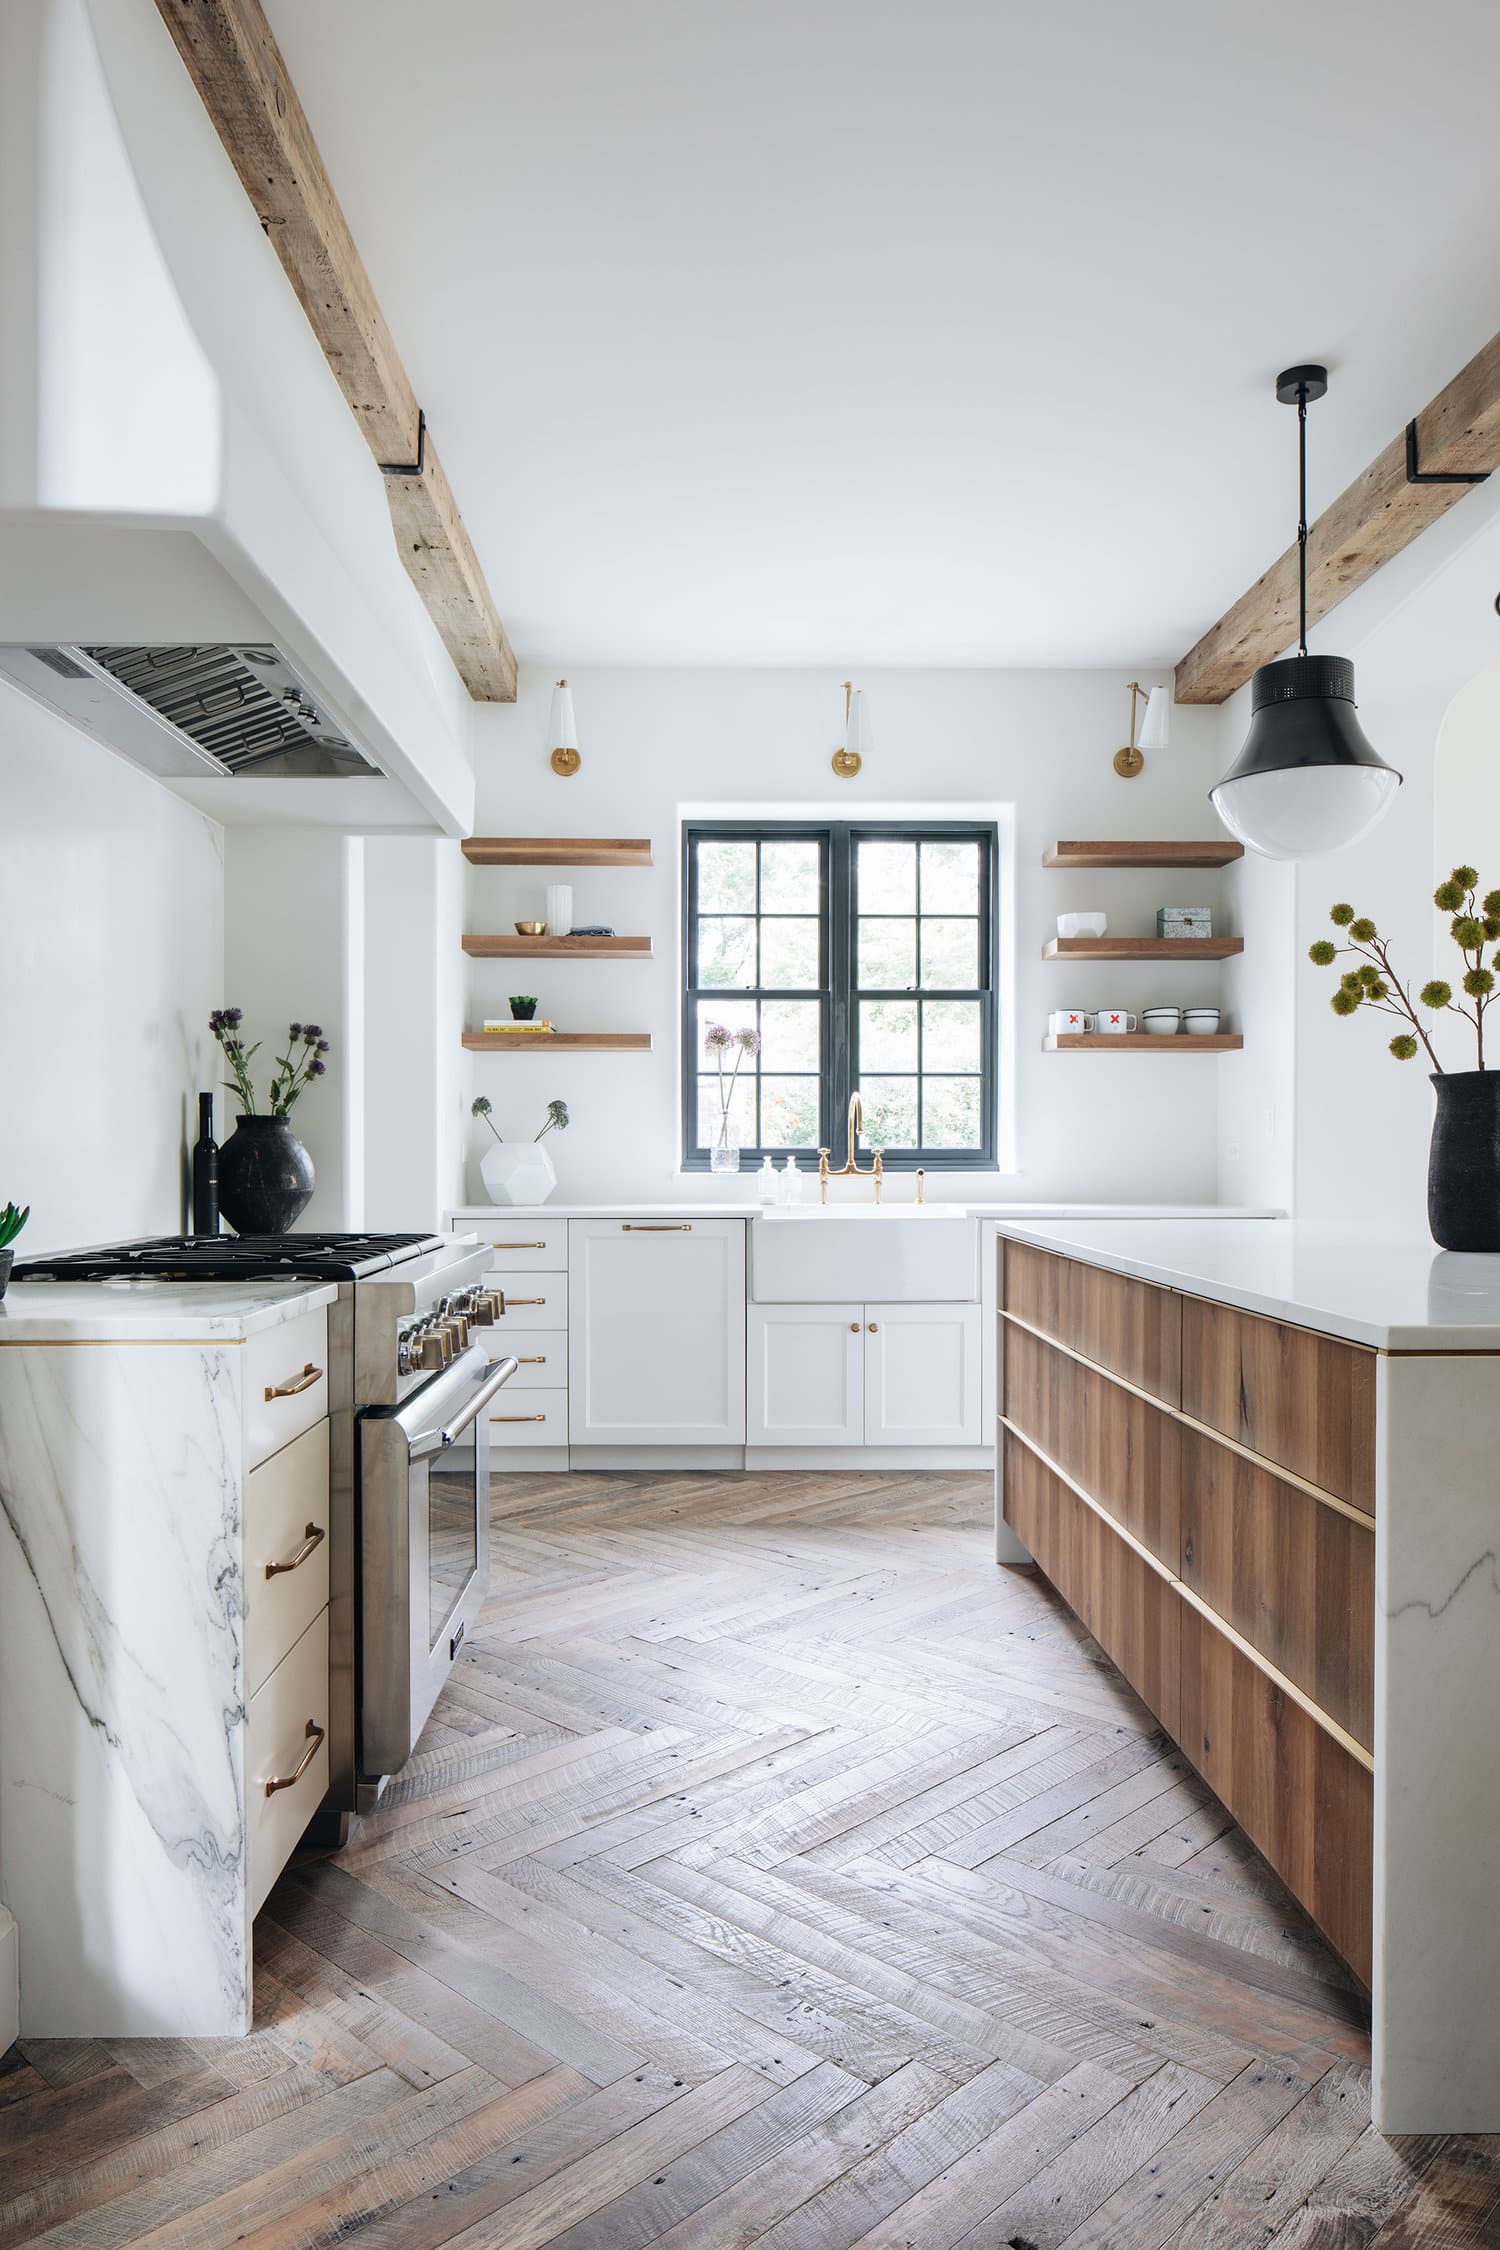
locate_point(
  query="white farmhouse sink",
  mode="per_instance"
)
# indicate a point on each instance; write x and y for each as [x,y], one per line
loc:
[863,1253]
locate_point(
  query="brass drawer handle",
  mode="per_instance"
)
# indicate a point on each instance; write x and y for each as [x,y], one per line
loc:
[311,1538]
[518,1245]
[657,1226]
[518,1417]
[854,1327]
[874,1328]
[302,1382]
[314,1743]
[538,1359]
[507,1302]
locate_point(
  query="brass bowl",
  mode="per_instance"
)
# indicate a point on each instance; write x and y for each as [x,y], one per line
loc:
[531,929]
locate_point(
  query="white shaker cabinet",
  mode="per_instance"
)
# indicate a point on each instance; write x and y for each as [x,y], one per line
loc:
[806,1378]
[656,1332]
[922,1375]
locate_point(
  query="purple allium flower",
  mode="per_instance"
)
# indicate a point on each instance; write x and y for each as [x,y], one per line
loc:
[312,1031]
[316,1069]
[748,1038]
[717,1035]
[322,1047]
[296,1031]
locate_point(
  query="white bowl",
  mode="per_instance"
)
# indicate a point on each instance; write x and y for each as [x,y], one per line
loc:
[1161,1022]
[1082,925]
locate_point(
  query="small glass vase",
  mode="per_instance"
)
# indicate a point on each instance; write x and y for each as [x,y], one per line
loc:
[725,1155]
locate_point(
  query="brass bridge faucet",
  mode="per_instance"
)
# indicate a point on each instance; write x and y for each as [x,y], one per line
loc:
[849,1168]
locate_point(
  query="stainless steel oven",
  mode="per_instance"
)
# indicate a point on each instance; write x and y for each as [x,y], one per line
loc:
[424,1546]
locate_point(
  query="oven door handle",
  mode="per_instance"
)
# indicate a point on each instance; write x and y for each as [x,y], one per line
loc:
[428,1442]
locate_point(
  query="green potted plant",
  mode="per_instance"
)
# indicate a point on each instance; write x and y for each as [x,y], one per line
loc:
[523,1006]
[519,1171]
[1463,1169]
[11,1223]
[266,1176]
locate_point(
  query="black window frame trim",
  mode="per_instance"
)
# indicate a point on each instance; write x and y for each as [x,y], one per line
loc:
[838,909]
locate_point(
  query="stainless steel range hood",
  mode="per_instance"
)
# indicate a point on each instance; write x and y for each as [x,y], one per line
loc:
[192,709]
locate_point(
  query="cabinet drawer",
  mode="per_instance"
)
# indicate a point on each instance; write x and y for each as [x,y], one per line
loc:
[533,1299]
[1131,1327]
[528,1417]
[543,1353]
[1304,1401]
[1124,1452]
[533,1245]
[286,1383]
[1299,1796]
[282,1711]
[286,1510]
[1293,1576]
[1132,1611]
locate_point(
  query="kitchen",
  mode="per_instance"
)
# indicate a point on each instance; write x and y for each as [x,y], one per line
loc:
[853,1607]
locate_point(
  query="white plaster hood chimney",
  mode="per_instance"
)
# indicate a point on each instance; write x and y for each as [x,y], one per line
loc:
[178,469]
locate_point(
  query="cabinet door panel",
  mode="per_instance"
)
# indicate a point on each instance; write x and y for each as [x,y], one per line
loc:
[922,1375]
[1295,1577]
[1131,1327]
[1122,1451]
[805,1382]
[1133,1613]
[656,1338]
[1304,1401]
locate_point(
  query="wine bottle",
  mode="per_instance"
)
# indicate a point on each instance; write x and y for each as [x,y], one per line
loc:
[205,1170]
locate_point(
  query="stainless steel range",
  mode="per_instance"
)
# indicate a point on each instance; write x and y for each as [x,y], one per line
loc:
[409,1380]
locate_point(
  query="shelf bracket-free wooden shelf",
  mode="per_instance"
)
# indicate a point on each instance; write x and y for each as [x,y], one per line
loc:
[482,948]
[1140,1043]
[558,851]
[547,1042]
[1142,948]
[1219,851]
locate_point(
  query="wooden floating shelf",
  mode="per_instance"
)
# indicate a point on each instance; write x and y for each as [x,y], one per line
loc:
[558,851]
[1220,851]
[1140,1043]
[547,1042]
[1141,948]
[558,948]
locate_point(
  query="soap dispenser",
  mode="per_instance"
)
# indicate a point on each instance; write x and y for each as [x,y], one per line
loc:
[790,1182]
[765,1182]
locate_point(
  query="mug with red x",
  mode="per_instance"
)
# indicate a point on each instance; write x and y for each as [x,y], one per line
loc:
[1114,1019]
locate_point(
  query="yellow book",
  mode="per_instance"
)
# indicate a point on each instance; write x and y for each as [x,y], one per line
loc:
[521,1028]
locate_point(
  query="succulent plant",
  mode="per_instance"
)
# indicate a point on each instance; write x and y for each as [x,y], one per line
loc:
[11,1223]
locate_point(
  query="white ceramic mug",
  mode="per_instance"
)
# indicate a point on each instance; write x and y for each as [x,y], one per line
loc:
[1162,1022]
[1114,1019]
[1200,1023]
[1067,1023]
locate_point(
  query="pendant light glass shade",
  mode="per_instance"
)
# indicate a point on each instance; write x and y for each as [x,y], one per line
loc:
[1156,720]
[859,735]
[1308,781]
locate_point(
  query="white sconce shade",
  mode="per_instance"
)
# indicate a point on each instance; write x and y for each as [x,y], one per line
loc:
[1157,723]
[859,735]
[562,732]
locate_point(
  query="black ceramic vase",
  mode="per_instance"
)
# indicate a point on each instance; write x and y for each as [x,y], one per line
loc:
[265,1177]
[1463,1170]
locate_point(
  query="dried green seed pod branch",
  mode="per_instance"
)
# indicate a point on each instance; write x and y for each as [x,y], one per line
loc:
[1474,924]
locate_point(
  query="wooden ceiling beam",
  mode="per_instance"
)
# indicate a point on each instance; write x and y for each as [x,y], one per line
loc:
[240,76]
[1457,435]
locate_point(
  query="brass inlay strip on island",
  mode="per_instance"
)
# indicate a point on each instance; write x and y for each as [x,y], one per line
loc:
[1191,1422]
[1253,1655]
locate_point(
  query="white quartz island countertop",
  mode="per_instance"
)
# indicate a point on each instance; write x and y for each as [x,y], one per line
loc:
[146,1311]
[1404,1295]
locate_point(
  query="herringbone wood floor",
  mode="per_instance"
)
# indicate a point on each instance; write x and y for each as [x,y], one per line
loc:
[774,1870]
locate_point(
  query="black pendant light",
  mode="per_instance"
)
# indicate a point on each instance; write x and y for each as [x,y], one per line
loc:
[1307,781]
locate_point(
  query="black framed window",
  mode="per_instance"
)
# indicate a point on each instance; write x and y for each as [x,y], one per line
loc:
[861,955]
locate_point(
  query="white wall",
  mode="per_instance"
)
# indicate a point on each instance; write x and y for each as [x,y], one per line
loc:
[946,743]
[112,945]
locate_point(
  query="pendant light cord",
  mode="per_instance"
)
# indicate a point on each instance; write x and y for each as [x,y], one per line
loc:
[1302,517]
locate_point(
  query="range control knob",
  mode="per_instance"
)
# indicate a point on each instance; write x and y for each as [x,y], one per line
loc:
[423,1351]
[484,1308]
[456,1328]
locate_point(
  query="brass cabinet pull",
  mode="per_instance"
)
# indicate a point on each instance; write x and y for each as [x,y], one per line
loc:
[311,1538]
[518,1245]
[302,1382]
[657,1226]
[854,1327]
[315,1735]
[874,1328]
[537,1359]
[518,1417]
[507,1302]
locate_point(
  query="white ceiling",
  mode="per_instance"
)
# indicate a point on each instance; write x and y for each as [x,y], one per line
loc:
[940,332]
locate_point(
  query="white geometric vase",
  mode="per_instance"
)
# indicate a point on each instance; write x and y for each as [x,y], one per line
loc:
[517,1172]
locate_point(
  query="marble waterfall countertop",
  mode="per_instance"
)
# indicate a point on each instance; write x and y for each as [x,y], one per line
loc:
[1401,1296]
[845,1195]
[141,1310]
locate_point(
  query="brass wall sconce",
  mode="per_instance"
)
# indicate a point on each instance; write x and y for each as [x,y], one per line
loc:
[563,732]
[858,738]
[1154,726]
